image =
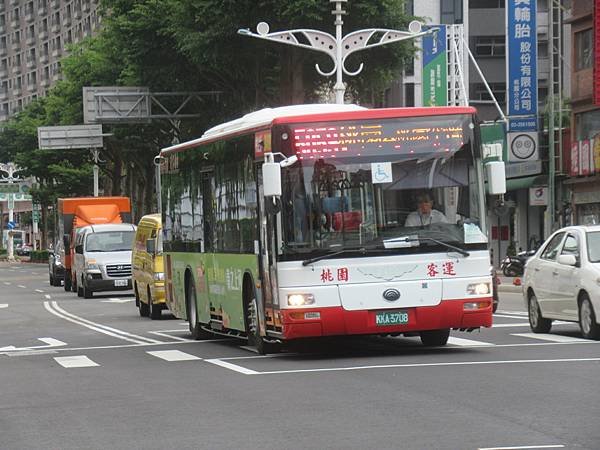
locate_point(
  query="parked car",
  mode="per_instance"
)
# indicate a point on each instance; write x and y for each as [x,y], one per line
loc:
[147,264]
[24,250]
[103,258]
[56,268]
[562,281]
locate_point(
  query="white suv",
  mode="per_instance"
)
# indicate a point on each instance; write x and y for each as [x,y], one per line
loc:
[103,258]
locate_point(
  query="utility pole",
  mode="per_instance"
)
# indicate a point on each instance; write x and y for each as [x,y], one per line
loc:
[338,48]
[10,168]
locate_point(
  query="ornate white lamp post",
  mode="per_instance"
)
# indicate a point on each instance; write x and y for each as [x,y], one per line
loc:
[10,168]
[339,47]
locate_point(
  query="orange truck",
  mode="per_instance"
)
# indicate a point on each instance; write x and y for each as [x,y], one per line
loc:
[75,213]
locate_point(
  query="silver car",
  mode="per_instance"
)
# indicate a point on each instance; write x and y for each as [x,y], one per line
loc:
[562,281]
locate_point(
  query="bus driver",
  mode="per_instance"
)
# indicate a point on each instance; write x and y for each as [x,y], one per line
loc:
[425,214]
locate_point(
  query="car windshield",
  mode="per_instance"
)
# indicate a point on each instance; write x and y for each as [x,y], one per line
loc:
[593,241]
[421,189]
[109,241]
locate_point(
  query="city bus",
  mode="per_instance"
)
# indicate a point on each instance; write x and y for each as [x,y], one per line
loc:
[299,222]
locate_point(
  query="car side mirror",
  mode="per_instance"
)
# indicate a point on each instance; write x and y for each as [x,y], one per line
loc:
[151,246]
[567,260]
[79,249]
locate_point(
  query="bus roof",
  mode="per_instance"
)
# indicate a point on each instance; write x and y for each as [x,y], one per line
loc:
[268,117]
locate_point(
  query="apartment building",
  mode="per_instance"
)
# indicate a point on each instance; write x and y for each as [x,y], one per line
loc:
[34,36]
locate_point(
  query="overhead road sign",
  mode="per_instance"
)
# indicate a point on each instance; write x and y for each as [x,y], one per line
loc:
[68,137]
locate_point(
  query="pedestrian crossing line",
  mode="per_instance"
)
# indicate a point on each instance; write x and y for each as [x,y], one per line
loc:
[550,337]
[71,362]
[468,342]
[173,355]
[511,316]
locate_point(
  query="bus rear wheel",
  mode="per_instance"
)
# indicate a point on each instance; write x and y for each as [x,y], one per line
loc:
[435,338]
[192,312]
[154,309]
[253,329]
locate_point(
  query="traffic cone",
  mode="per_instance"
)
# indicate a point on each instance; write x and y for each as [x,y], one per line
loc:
[517,281]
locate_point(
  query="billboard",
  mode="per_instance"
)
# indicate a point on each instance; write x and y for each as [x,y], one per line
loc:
[521,61]
[435,67]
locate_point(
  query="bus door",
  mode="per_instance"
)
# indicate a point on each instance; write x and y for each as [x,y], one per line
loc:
[207,244]
[269,236]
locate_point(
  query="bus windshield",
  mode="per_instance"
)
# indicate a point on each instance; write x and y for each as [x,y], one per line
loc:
[379,181]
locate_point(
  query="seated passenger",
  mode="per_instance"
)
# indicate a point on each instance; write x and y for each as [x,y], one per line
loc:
[425,214]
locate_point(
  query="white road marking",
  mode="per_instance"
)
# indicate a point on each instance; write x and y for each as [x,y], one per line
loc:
[47,296]
[550,337]
[53,308]
[468,342]
[117,300]
[9,348]
[514,313]
[533,447]
[3,305]
[39,290]
[7,283]
[75,361]
[51,342]
[21,286]
[163,333]
[526,324]
[388,366]
[511,316]
[233,367]
[173,355]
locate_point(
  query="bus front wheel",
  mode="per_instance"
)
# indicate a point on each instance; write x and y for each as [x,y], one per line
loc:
[435,338]
[253,329]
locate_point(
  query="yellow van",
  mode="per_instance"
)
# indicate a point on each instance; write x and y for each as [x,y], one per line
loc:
[147,267]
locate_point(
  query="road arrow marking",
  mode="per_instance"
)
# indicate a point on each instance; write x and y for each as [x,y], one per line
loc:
[3,305]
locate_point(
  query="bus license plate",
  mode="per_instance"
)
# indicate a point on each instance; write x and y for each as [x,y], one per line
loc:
[120,283]
[386,318]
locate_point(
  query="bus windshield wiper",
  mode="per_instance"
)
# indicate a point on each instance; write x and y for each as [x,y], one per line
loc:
[407,241]
[306,262]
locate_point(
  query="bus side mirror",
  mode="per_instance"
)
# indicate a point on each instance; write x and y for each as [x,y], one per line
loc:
[271,177]
[496,177]
[151,246]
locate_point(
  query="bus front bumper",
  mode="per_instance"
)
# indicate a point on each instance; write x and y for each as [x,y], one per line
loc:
[336,321]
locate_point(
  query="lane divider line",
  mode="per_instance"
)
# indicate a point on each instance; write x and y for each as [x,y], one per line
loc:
[234,367]
[70,362]
[174,355]
[106,327]
[50,307]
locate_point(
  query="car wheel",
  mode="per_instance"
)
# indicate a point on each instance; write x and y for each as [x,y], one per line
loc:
[87,292]
[435,338]
[56,281]
[155,310]
[253,329]
[192,309]
[79,291]
[67,284]
[74,285]
[51,280]
[587,319]
[537,323]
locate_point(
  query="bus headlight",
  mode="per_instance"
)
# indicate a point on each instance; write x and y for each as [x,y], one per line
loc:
[479,289]
[159,276]
[300,299]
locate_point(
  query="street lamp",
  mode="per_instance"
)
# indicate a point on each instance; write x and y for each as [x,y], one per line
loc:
[338,48]
[10,168]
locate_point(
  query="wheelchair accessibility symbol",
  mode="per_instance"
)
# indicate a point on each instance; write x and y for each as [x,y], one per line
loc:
[381,172]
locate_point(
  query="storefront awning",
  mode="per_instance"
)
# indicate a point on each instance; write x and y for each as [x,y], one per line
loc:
[513,184]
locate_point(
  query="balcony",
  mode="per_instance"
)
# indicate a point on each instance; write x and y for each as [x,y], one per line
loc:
[30,40]
[42,11]
[45,82]
[55,27]
[54,4]
[66,21]
[4,72]
[77,14]
[3,95]
[31,86]
[3,51]
[44,59]
[43,35]
[15,23]
[31,63]
[16,69]
[29,17]
[56,52]
[17,91]
[16,45]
